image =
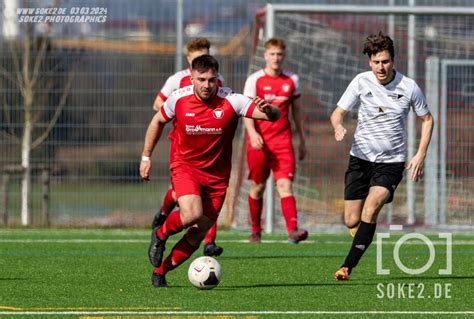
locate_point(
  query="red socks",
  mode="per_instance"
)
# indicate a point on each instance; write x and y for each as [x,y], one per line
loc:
[255,208]
[211,235]
[169,202]
[179,254]
[172,225]
[288,209]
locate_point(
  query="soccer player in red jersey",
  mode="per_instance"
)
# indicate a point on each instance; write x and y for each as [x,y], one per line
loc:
[195,48]
[206,117]
[269,146]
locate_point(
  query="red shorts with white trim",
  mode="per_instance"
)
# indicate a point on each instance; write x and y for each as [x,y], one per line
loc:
[278,159]
[187,180]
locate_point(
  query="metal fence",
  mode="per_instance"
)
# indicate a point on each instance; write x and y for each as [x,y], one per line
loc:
[325,49]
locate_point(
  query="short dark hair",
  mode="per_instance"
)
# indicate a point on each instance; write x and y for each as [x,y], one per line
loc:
[376,43]
[198,44]
[204,63]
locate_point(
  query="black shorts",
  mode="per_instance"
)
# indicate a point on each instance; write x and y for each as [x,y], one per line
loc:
[362,174]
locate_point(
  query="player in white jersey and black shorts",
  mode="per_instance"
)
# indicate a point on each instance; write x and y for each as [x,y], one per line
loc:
[378,154]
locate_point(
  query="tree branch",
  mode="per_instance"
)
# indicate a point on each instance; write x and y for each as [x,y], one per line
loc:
[59,108]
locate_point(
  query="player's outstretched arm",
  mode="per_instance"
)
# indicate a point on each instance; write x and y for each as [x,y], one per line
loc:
[152,136]
[337,119]
[416,164]
[265,111]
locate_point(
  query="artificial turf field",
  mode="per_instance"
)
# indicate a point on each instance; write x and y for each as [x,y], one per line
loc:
[99,273]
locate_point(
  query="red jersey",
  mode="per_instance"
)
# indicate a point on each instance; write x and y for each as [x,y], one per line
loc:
[279,90]
[205,129]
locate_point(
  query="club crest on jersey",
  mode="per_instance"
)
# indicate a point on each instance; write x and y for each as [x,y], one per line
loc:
[218,113]
[286,88]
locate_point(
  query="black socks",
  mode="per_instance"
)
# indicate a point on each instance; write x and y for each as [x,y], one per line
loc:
[362,240]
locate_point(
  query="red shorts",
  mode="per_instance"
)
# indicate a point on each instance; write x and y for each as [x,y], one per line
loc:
[280,160]
[187,180]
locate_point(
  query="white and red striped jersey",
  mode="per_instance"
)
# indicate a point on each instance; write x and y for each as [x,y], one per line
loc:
[204,129]
[280,91]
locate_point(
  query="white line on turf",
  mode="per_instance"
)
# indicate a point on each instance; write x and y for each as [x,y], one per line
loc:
[133,241]
[24,313]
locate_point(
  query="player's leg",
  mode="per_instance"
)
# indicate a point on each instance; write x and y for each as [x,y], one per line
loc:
[352,214]
[377,197]
[170,200]
[383,182]
[169,203]
[356,190]
[258,174]
[181,251]
[288,208]
[210,246]
[188,188]
[282,163]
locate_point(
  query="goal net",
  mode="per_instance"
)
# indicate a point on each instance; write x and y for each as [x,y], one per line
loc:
[325,50]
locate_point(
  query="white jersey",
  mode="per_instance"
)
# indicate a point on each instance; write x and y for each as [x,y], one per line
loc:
[383,111]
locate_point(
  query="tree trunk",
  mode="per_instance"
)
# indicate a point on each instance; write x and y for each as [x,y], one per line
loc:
[25,163]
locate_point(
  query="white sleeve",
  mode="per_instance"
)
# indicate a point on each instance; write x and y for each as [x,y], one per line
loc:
[250,88]
[296,81]
[418,101]
[350,98]
[240,103]
[171,85]
[168,109]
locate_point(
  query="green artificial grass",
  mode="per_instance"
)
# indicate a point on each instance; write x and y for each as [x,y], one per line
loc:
[98,273]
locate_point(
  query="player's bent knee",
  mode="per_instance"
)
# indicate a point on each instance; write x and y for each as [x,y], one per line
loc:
[351,222]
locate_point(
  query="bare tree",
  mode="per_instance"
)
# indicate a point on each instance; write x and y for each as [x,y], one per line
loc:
[32,72]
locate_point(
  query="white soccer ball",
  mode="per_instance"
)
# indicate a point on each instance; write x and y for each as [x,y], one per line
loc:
[204,272]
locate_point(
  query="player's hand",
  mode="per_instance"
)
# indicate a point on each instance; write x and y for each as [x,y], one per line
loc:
[339,133]
[302,151]
[416,167]
[145,168]
[262,105]
[256,141]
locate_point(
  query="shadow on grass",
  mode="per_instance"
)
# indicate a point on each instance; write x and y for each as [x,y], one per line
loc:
[282,256]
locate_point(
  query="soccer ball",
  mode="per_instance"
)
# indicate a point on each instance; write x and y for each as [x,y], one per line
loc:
[204,272]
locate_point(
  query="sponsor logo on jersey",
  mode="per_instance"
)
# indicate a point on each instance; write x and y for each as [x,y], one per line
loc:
[218,113]
[189,114]
[199,130]
[286,88]
[267,88]
[274,98]
[369,94]
[395,96]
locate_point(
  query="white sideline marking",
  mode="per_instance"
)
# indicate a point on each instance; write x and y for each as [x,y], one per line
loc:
[235,312]
[133,241]
[396,227]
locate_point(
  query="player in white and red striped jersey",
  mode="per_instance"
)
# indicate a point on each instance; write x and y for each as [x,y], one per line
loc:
[269,145]
[206,117]
[195,48]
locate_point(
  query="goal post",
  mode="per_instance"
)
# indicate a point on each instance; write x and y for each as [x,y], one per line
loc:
[324,45]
